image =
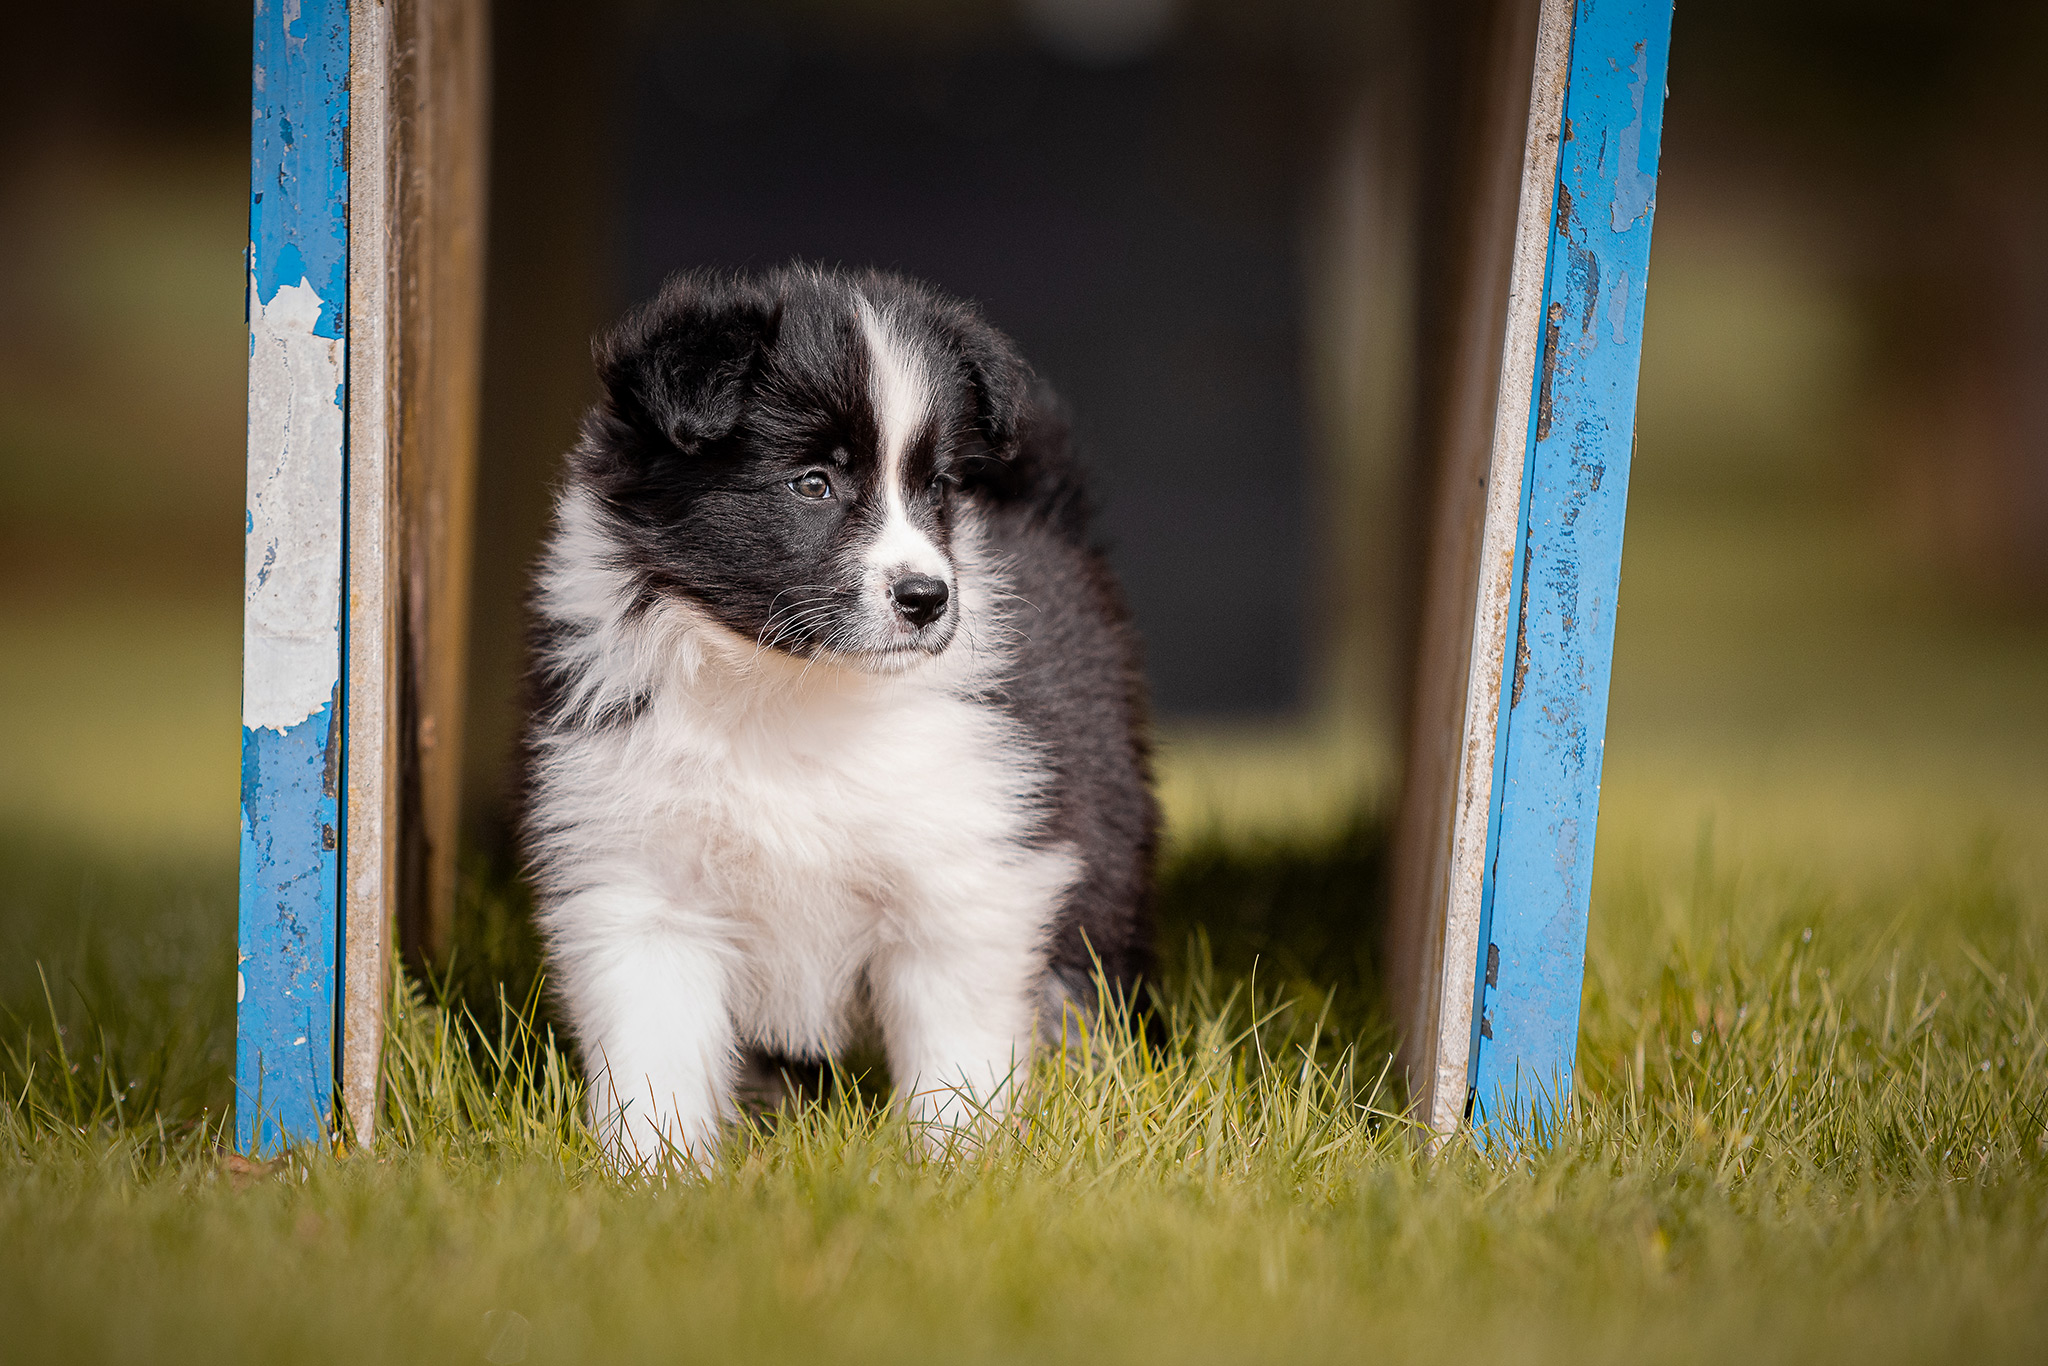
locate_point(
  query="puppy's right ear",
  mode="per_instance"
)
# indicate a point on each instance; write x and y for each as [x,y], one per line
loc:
[682,365]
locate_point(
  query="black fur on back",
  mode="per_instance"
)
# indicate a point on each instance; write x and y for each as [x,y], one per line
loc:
[1079,690]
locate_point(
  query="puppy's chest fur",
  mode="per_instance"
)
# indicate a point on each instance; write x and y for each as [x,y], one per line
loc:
[811,817]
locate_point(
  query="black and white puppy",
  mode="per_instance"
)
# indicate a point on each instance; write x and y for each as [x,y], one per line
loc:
[836,710]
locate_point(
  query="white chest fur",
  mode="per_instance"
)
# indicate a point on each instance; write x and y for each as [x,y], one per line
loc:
[811,822]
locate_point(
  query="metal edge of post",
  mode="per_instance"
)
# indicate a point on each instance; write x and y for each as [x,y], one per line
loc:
[292,743]
[371,818]
[1578,432]
[1448,1087]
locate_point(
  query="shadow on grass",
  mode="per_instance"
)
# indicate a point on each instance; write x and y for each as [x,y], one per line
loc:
[1303,917]
[117,984]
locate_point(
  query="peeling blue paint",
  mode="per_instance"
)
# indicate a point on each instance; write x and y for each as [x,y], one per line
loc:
[1617,310]
[288,950]
[1635,189]
[284,1044]
[1567,572]
[298,132]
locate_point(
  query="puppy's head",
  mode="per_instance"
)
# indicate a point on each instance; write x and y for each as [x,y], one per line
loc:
[793,452]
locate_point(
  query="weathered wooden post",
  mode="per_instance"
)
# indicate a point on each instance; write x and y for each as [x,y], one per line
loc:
[365,261]
[1494,850]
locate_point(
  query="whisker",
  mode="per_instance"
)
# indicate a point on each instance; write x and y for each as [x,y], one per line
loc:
[785,623]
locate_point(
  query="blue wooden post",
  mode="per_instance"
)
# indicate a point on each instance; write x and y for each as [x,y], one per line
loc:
[1566,569]
[292,729]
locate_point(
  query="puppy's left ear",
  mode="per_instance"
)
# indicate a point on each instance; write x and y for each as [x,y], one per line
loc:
[998,377]
[682,366]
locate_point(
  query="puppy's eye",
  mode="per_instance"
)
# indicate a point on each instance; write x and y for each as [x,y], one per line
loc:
[812,485]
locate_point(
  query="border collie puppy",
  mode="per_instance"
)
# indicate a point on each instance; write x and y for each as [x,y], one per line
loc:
[836,713]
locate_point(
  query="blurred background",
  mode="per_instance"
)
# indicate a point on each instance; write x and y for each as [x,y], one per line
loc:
[1206,224]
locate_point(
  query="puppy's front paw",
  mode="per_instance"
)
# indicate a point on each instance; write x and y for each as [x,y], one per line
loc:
[645,1140]
[956,1119]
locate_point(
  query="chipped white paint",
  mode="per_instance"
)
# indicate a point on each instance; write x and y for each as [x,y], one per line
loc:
[292,551]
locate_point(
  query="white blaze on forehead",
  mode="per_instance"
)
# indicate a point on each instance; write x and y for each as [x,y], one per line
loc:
[898,387]
[900,391]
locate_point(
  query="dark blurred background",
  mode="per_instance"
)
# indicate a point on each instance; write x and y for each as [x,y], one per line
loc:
[1204,223]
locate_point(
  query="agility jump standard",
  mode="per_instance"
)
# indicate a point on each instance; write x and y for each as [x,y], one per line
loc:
[364,289]
[1494,849]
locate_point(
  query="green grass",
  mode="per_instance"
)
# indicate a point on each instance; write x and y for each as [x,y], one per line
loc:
[1809,1122]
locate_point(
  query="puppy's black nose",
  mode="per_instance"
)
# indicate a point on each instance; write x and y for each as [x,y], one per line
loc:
[919,597]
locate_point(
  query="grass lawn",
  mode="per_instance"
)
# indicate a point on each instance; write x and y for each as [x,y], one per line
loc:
[1811,1119]
[1809,1124]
